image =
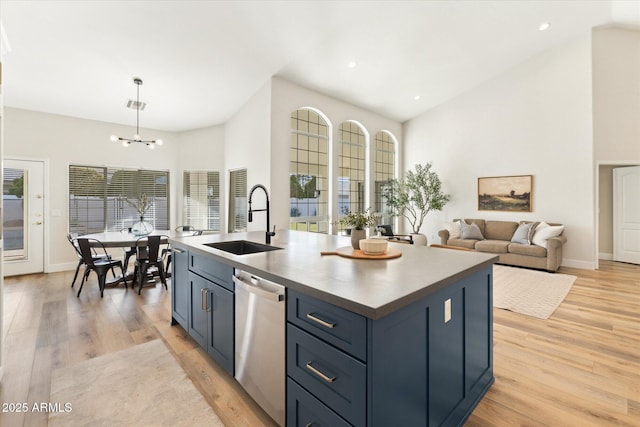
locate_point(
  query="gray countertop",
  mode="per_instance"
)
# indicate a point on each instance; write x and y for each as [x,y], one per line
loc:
[372,288]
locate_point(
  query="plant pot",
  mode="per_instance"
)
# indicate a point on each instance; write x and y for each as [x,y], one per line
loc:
[419,239]
[356,236]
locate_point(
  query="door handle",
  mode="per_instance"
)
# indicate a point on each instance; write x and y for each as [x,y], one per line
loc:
[38,222]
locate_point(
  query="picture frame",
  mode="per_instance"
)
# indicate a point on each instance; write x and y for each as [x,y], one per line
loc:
[505,193]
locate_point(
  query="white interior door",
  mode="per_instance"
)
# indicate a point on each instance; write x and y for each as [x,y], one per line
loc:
[626,214]
[23,217]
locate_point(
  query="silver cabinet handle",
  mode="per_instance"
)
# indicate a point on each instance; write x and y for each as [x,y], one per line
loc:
[178,251]
[320,321]
[320,374]
[203,299]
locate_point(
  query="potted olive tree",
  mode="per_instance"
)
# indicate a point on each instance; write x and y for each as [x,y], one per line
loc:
[414,196]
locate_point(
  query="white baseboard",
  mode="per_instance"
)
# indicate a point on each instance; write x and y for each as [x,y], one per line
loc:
[605,256]
[575,263]
[66,266]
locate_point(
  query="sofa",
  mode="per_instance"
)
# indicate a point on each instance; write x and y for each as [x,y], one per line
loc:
[524,244]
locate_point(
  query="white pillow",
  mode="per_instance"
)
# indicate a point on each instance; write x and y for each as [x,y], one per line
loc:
[454,229]
[544,232]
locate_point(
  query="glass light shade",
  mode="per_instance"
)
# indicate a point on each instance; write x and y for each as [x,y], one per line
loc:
[125,144]
[159,142]
[114,138]
[151,146]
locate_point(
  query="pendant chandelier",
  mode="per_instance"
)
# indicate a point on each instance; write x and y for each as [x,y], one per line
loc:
[136,138]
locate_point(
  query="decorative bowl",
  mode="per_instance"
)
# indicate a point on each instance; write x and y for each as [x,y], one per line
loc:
[373,246]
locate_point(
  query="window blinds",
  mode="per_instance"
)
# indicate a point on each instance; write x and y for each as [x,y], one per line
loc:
[237,200]
[105,198]
[201,190]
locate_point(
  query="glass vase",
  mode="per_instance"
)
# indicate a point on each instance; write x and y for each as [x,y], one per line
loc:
[142,227]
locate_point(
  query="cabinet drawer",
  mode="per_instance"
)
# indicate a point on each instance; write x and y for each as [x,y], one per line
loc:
[340,327]
[305,410]
[213,270]
[335,378]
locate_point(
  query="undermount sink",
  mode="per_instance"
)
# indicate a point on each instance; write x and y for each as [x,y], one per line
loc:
[241,247]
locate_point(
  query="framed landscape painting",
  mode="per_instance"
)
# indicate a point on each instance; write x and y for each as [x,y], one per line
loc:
[505,193]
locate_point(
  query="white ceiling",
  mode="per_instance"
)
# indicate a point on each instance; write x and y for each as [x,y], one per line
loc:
[202,60]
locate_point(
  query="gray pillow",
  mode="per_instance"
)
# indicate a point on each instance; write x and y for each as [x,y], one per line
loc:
[471,231]
[523,234]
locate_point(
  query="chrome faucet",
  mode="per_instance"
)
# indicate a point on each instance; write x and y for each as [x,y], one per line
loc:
[268,234]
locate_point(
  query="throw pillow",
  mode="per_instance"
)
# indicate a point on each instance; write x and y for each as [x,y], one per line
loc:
[544,232]
[522,234]
[454,229]
[471,231]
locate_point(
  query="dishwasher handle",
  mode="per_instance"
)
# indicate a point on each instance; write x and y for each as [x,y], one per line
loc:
[249,287]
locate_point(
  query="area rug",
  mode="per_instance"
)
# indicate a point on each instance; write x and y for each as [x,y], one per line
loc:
[141,386]
[530,292]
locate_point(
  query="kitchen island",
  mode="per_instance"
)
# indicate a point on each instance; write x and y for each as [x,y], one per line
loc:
[406,341]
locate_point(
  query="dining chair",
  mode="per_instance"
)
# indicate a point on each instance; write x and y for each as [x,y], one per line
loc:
[73,240]
[100,266]
[150,254]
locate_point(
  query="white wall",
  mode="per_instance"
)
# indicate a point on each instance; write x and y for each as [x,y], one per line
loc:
[616,123]
[616,95]
[64,140]
[535,119]
[288,97]
[247,145]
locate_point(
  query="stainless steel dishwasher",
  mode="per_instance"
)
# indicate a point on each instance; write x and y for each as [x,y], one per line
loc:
[259,344]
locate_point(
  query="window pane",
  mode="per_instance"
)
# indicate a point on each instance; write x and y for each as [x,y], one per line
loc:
[237,200]
[109,199]
[202,200]
[308,166]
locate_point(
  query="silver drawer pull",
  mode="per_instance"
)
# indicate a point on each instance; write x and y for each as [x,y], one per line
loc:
[309,425]
[320,374]
[178,251]
[320,321]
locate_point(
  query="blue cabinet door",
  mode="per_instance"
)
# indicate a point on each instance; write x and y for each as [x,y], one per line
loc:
[180,287]
[198,315]
[220,342]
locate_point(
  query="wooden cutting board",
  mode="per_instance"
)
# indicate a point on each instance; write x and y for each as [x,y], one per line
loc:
[349,252]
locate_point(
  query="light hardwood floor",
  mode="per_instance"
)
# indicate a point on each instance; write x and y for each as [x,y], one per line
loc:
[581,367]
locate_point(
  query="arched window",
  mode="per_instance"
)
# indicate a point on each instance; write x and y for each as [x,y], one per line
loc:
[384,159]
[351,169]
[309,172]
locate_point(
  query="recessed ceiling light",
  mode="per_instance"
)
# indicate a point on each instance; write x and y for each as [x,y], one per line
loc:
[417,98]
[353,64]
[544,26]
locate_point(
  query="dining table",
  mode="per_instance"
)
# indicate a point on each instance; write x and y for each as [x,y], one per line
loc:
[130,241]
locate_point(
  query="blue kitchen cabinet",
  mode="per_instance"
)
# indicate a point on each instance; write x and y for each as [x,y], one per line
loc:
[426,364]
[180,301]
[211,311]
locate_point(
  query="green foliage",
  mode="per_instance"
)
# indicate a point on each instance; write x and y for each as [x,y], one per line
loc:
[17,187]
[298,191]
[358,220]
[86,182]
[415,195]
